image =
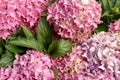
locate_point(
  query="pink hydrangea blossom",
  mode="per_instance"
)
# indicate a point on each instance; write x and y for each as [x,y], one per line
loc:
[33,65]
[97,58]
[74,19]
[30,10]
[16,12]
[115,26]
[9,20]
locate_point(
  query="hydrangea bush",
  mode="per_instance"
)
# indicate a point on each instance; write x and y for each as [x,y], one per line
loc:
[59,40]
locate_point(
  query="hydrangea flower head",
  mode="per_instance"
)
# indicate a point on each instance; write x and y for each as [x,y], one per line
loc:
[33,65]
[30,10]
[74,19]
[99,55]
[9,20]
[16,12]
[115,26]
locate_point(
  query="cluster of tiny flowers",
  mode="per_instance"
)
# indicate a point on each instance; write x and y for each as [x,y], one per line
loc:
[33,65]
[115,26]
[15,12]
[74,19]
[97,58]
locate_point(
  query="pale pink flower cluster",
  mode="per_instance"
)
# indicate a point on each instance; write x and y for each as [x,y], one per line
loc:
[74,19]
[15,12]
[9,20]
[115,26]
[33,65]
[97,58]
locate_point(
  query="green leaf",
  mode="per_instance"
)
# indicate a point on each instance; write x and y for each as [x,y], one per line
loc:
[49,3]
[113,2]
[1,43]
[11,37]
[110,4]
[106,13]
[29,43]
[18,33]
[1,46]
[14,49]
[110,12]
[7,59]
[59,48]
[101,27]
[44,14]
[1,50]
[116,10]
[28,33]
[105,5]
[117,4]
[44,32]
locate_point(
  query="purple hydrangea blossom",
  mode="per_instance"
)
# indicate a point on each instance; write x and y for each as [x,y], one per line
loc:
[97,58]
